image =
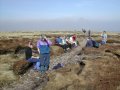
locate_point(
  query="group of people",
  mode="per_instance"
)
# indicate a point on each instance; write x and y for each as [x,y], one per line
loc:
[43,47]
[93,43]
[42,62]
[67,42]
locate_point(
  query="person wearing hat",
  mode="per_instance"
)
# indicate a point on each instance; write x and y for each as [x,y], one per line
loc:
[43,46]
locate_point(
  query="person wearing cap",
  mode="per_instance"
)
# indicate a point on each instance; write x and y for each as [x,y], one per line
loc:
[30,58]
[43,46]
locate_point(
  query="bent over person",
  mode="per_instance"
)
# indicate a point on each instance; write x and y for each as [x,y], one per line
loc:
[43,46]
[30,58]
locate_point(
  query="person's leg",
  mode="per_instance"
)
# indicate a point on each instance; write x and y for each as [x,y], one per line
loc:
[103,42]
[62,46]
[70,46]
[65,48]
[37,65]
[42,63]
[73,45]
[41,59]
[47,61]
[33,60]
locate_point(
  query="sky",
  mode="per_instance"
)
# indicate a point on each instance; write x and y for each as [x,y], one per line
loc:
[32,15]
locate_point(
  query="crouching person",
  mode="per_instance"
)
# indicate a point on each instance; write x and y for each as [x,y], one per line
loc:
[61,41]
[89,42]
[43,46]
[30,58]
[92,43]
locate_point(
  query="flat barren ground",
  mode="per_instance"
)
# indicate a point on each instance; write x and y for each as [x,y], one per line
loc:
[84,68]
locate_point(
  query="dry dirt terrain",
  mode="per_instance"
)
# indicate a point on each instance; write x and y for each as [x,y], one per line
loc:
[84,68]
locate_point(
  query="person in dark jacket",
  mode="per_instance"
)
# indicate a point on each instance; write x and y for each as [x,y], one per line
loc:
[89,42]
[30,58]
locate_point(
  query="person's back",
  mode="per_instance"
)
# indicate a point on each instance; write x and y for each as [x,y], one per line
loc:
[74,37]
[89,43]
[95,44]
[58,40]
[63,40]
[28,52]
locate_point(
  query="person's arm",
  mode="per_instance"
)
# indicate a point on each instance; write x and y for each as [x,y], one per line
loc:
[106,36]
[38,44]
[38,50]
[71,40]
[49,42]
[68,41]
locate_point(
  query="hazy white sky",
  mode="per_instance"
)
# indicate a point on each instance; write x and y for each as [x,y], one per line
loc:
[62,14]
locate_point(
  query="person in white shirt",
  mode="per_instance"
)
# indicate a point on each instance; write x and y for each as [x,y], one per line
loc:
[104,37]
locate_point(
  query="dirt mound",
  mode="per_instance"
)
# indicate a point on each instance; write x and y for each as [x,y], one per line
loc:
[9,45]
[108,74]
[102,51]
[110,40]
[100,70]
[21,66]
[114,50]
[56,51]
[101,73]
[63,77]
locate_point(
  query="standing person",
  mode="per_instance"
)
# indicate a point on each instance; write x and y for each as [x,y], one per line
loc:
[43,46]
[30,58]
[104,37]
[89,34]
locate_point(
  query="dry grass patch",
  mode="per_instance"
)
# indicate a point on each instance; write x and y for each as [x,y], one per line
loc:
[56,51]
[6,73]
